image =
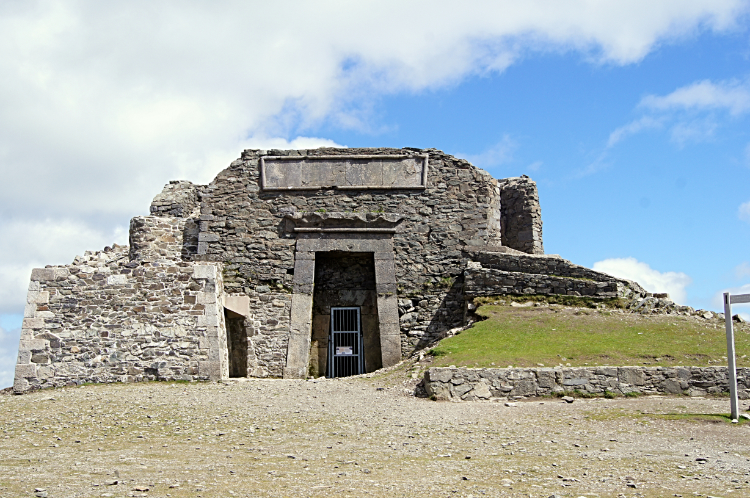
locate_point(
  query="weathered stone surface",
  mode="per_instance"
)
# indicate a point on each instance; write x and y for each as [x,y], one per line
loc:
[179,199]
[114,317]
[530,382]
[519,201]
[342,171]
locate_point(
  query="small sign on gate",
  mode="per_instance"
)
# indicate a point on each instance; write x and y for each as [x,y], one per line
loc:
[344,350]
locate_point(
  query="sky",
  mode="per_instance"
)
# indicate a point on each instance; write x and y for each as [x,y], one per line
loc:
[633,117]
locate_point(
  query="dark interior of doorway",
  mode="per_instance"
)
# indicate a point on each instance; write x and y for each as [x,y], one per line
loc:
[344,279]
[236,343]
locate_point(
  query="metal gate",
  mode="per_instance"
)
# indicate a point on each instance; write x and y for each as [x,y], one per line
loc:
[345,343]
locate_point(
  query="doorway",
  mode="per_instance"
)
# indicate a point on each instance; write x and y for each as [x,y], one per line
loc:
[344,281]
[236,343]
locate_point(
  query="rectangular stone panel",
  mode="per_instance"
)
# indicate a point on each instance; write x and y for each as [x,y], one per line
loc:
[345,172]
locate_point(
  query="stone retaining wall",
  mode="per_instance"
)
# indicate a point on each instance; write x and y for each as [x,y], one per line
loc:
[548,264]
[485,282]
[473,384]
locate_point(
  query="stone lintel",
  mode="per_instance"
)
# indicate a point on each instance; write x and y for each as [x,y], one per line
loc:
[238,304]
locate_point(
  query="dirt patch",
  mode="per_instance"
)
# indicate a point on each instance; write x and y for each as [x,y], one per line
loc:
[361,436]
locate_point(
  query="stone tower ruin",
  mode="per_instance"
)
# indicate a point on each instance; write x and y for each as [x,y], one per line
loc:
[294,263]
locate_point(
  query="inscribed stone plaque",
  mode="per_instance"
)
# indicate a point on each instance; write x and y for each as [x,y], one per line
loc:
[345,172]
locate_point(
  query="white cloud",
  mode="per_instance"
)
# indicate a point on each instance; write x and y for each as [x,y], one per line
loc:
[687,111]
[742,270]
[733,96]
[652,280]
[102,103]
[534,166]
[696,130]
[8,355]
[744,211]
[644,123]
[260,142]
[500,153]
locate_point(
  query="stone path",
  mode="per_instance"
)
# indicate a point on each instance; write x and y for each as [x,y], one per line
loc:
[357,437]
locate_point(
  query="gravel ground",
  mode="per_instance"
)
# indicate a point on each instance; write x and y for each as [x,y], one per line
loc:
[360,436]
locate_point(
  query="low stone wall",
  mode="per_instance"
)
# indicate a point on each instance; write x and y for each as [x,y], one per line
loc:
[472,384]
[544,264]
[482,282]
[107,319]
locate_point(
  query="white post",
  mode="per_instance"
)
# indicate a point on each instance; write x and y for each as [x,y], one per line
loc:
[732,368]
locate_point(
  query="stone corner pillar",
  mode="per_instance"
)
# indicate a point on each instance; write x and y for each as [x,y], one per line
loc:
[300,327]
[387,302]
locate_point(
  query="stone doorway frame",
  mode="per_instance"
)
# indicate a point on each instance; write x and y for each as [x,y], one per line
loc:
[379,242]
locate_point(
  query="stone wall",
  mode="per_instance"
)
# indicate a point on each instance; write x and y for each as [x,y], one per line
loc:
[249,228]
[549,264]
[422,216]
[496,273]
[521,215]
[105,318]
[473,384]
[179,199]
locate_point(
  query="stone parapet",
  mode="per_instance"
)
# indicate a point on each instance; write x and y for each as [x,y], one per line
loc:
[473,384]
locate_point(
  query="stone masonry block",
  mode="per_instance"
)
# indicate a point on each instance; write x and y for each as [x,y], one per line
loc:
[390,348]
[24,357]
[208,321]
[37,297]
[26,371]
[301,309]
[34,345]
[303,288]
[42,274]
[388,310]
[238,304]
[204,272]
[298,354]
[29,311]
[117,280]
[386,288]
[440,374]
[385,271]
[208,237]
[631,375]
[206,297]
[304,271]
[33,323]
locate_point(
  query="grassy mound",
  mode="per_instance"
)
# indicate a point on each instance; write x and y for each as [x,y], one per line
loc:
[555,334]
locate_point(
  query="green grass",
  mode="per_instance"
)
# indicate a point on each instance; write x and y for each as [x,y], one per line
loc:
[553,335]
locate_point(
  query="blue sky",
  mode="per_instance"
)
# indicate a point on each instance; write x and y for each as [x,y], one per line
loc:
[633,117]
